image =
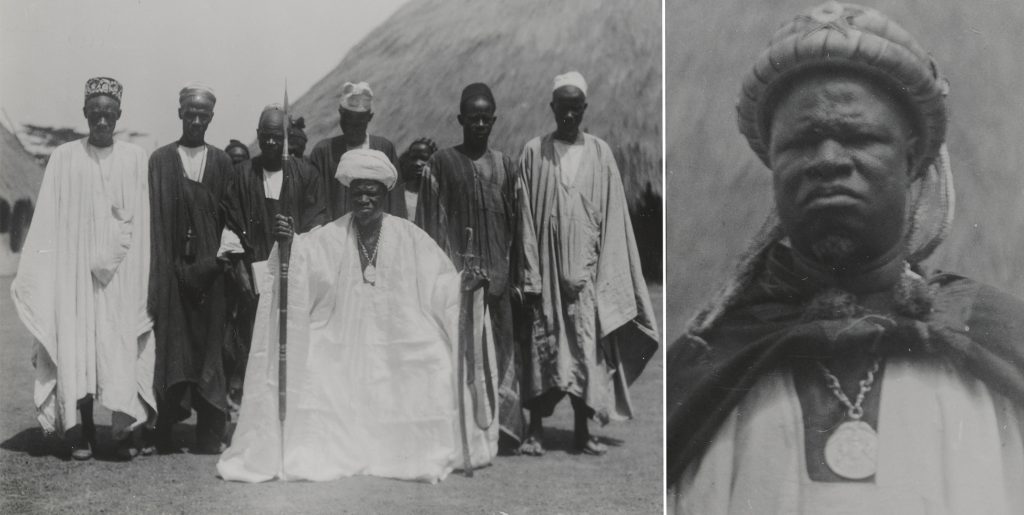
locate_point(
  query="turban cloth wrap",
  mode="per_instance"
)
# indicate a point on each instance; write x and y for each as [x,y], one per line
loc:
[837,36]
[845,37]
[356,97]
[364,163]
[570,79]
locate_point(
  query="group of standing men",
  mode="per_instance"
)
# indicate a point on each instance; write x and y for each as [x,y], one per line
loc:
[142,285]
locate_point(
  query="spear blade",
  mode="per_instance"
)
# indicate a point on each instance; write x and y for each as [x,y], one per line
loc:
[287,121]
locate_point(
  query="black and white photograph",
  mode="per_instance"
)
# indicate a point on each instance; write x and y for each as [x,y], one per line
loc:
[695,257]
[320,256]
[844,257]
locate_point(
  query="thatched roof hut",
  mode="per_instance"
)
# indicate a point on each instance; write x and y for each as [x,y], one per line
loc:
[20,178]
[718,192]
[418,61]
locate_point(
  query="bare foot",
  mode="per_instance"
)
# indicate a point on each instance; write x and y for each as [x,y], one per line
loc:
[126,449]
[532,447]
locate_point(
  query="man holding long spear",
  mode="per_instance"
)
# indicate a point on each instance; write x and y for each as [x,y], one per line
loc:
[271,198]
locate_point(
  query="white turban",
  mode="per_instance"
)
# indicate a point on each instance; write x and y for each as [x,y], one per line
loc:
[573,78]
[356,97]
[364,163]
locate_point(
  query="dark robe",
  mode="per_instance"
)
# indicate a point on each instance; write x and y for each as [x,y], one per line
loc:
[186,287]
[975,326]
[325,157]
[461,193]
[247,214]
[245,206]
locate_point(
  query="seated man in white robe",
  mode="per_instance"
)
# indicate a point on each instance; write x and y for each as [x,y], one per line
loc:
[373,318]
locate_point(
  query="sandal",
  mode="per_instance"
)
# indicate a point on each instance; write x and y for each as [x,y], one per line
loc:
[592,446]
[81,449]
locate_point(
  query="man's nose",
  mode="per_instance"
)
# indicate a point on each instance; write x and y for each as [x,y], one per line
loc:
[831,160]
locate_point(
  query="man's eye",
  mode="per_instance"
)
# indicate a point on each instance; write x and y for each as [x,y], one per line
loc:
[861,139]
[799,143]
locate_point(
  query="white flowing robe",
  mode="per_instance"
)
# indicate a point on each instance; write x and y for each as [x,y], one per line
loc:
[947,445]
[370,368]
[580,255]
[82,284]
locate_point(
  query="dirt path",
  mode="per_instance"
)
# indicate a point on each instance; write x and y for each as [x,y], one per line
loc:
[626,480]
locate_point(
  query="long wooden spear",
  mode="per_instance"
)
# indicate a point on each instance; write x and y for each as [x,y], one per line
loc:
[284,255]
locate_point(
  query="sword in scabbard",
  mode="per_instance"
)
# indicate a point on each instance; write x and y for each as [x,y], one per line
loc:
[474,360]
[465,343]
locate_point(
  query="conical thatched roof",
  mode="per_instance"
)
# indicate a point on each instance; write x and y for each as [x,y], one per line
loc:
[20,178]
[418,61]
[718,192]
[20,175]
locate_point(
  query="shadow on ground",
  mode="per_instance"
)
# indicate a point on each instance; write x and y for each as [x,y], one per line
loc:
[37,477]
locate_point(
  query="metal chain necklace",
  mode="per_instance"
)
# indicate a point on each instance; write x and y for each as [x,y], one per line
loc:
[852,450]
[370,272]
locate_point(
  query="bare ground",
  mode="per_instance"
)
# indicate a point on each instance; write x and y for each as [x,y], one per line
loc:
[37,477]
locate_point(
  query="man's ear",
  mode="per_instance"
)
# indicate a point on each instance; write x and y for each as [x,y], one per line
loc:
[461,120]
[181,113]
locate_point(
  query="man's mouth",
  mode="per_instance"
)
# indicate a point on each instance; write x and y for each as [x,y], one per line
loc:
[832,196]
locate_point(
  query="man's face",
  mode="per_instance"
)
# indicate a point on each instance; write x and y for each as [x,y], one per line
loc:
[195,114]
[296,146]
[416,161]
[477,118]
[102,112]
[353,125]
[270,134]
[238,154]
[368,199]
[841,151]
[568,103]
